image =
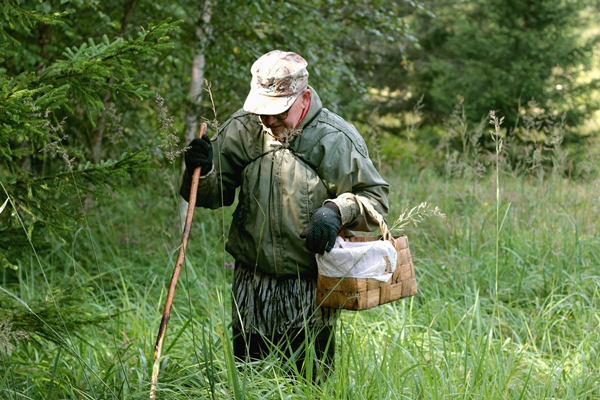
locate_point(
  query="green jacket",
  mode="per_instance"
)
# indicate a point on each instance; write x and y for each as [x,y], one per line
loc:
[281,185]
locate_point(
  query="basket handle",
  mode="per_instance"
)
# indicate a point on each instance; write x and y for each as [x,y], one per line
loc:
[385,232]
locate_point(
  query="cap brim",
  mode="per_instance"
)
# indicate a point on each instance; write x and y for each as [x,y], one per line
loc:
[268,105]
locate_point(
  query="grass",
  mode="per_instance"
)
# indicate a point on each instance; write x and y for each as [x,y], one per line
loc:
[509,293]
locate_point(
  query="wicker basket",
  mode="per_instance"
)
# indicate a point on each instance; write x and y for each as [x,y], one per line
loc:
[364,293]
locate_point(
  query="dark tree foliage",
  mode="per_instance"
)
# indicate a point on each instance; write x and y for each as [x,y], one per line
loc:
[52,94]
[492,55]
[239,32]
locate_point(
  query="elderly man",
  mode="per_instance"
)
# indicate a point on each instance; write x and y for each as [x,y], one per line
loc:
[298,168]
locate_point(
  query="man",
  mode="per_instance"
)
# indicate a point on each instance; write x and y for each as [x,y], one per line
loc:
[298,167]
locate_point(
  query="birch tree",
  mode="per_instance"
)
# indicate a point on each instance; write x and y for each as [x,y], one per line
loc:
[203,32]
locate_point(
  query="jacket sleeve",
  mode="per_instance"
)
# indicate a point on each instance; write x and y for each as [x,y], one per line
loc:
[217,188]
[212,192]
[348,171]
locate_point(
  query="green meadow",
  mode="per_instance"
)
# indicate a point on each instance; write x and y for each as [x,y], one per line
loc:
[508,302]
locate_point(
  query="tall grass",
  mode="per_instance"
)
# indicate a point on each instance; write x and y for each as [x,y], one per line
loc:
[509,293]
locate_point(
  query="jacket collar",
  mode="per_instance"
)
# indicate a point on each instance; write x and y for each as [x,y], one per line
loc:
[313,110]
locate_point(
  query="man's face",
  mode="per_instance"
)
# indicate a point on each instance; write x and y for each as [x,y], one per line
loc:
[287,120]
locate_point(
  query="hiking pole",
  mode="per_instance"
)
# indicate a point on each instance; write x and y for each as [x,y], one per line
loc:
[173,285]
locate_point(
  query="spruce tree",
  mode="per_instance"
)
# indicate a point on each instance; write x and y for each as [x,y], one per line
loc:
[488,55]
[50,101]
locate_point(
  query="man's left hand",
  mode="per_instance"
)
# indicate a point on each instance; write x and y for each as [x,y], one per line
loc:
[323,228]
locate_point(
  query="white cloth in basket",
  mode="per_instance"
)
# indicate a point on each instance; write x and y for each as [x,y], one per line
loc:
[359,260]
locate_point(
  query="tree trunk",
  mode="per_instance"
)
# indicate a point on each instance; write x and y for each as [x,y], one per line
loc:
[98,133]
[203,31]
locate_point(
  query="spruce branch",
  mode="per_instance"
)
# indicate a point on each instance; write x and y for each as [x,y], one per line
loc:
[87,68]
[61,313]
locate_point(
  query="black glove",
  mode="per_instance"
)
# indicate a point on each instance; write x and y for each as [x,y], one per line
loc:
[323,228]
[200,154]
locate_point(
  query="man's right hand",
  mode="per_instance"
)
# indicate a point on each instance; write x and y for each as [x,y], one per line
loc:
[199,154]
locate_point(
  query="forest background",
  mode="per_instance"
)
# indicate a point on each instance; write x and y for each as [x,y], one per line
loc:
[486,109]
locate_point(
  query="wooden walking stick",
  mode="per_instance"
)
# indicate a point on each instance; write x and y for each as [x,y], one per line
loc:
[173,285]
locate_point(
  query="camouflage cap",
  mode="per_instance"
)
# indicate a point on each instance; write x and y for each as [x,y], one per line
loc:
[278,79]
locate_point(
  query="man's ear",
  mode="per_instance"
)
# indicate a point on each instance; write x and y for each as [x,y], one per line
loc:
[305,97]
